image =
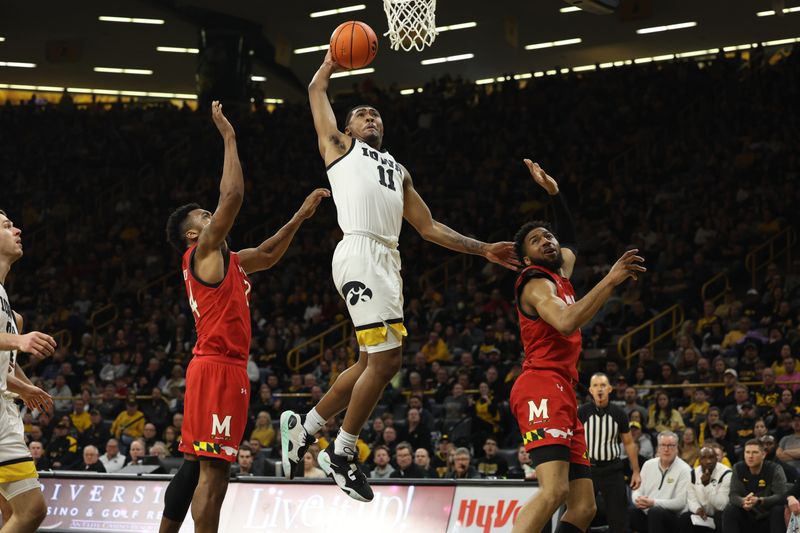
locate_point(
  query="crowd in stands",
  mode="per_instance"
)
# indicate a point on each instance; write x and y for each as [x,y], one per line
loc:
[91,189]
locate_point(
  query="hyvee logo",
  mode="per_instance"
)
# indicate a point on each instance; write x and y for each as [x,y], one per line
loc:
[488,517]
[355,291]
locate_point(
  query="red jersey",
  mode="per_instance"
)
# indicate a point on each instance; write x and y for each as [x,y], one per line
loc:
[221,310]
[545,347]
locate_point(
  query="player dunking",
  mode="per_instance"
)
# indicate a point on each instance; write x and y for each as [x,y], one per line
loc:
[217,386]
[543,399]
[19,483]
[373,193]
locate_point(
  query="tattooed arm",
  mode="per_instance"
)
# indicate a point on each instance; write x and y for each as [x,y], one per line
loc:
[418,215]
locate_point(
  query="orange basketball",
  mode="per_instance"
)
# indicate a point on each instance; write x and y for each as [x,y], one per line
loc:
[354,44]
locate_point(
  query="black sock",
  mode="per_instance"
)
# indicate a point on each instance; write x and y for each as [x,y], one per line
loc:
[178,497]
[566,527]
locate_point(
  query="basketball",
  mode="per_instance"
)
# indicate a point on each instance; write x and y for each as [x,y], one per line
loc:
[354,44]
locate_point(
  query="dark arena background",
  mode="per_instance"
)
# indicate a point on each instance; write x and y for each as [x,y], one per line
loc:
[670,126]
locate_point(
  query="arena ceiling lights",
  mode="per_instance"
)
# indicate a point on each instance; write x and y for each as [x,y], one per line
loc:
[329,12]
[258,78]
[134,20]
[785,10]
[551,44]
[2,39]
[451,27]
[309,49]
[17,64]
[569,9]
[177,50]
[437,60]
[668,27]
[355,72]
[116,70]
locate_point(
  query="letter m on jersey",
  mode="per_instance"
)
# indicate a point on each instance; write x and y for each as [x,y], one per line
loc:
[218,428]
[537,412]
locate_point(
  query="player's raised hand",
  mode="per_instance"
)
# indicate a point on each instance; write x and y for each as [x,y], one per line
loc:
[541,177]
[311,203]
[35,398]
[37,344]
[224,127]
[503,254]
[330,62]
[627,266]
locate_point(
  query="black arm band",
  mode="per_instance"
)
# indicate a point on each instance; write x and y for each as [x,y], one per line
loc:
[564,225]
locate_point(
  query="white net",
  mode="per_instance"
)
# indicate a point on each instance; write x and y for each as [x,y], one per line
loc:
[412,23]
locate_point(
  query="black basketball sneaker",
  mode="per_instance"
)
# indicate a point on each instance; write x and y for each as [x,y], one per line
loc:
[344,470]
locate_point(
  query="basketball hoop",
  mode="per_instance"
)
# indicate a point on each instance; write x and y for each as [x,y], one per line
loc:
[412,23]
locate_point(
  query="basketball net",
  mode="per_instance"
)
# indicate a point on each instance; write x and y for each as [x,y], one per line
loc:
[412,23]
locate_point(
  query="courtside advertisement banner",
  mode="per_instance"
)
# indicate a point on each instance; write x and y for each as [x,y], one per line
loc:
[487,509]
[123,505]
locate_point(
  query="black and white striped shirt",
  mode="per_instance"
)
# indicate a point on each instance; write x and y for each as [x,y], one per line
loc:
[603,429]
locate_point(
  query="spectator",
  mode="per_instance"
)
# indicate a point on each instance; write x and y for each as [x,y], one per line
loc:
[491,465]
[158,449]
[756,495]
[136,452]
[524,467]
[90,462]
[768,394]
[663,417]
[462,469]
[156,409]
[770,446]
[725,395]
[641,439]
[63,449]
[455,406]
[404,459]
[422,459]
[380,457]
[149,434]
[97,433]
[435,349]
[129,424]
[62,394]
[260,465]
[112,460]
[704,429]
[708,494]
[40,460]
[789,446]
[743,424]
[661,497]
[697,411]
[81,420]
[689,449]
[741,395]
[109,404]
[415,433]
[171,442]
[720,435]
[311,467]
[632,403]
[791,373]
[263,432]
[244,462]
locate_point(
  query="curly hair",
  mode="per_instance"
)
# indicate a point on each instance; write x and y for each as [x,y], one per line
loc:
[176,226]
[519,237]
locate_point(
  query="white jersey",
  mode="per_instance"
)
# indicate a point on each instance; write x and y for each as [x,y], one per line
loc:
[8,358]
[367,188]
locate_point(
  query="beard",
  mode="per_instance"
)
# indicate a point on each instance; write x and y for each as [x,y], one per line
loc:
[553,266]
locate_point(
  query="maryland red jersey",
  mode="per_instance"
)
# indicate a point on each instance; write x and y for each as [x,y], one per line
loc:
[221,311]
[545,347]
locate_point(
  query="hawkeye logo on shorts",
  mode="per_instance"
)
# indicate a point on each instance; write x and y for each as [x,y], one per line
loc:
[223,428]
[355,291]
[538,412]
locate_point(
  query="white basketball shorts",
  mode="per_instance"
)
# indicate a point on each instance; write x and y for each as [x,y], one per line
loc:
[366,272]
[16,463]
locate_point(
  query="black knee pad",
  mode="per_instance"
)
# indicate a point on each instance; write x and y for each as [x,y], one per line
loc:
[178,497]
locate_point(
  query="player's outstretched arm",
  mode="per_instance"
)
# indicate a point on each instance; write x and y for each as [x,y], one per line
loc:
[269,252]
[564,225]
[416,211]
[332,142]
[539,296]
[231,191]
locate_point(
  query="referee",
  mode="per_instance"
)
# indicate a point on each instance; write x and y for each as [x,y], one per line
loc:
[605,425]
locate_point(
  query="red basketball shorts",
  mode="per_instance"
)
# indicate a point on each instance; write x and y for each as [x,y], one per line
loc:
[544,405]
[215,408]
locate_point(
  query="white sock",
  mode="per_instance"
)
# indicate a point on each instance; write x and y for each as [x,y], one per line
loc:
[345,444]
[313,422]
